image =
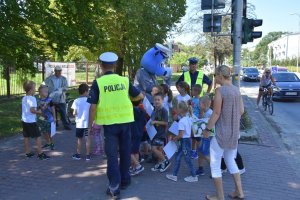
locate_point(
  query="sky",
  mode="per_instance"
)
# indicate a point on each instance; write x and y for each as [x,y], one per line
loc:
[274,13]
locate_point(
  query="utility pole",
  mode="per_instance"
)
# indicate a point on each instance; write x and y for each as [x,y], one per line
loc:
[237,40]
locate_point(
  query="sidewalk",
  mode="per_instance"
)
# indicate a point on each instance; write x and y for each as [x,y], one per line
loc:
[269,176]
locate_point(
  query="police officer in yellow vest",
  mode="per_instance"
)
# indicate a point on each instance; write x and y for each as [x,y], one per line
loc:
[112,108]
[193,76]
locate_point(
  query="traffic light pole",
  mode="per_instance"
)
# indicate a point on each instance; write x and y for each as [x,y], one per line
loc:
[237,41]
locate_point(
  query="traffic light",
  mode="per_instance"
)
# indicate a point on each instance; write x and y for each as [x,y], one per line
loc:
[207,4]
[217,23]
[248,33]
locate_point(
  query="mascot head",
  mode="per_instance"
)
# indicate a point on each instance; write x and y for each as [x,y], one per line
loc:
[152,60]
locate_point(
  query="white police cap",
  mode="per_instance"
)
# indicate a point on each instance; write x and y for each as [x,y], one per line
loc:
[108,57]
[163,48]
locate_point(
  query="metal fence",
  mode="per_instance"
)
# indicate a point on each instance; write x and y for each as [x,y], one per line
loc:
[11,80]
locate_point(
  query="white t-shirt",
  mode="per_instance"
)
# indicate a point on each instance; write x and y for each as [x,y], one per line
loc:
[82,108]
[27,103]
[184,98]
[185,124]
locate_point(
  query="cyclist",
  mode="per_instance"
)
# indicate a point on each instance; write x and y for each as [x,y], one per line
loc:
[266,81]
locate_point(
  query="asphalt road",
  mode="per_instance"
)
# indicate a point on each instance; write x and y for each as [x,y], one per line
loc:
[286,118]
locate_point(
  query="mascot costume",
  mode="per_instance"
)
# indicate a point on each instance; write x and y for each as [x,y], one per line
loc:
[151,66]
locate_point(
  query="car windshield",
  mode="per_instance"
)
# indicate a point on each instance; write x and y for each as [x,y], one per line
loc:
[251,70]
[286,77]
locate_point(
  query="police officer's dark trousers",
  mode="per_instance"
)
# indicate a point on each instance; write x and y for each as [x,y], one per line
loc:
[117,140]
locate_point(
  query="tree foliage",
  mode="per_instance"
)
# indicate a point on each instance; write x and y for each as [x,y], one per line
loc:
[71,30]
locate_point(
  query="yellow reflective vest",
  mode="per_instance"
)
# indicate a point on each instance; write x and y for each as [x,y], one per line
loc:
[114,106]
[199,80]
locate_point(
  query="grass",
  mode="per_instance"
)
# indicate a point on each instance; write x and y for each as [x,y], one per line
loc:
[10,115]
[16,83]
[10,109]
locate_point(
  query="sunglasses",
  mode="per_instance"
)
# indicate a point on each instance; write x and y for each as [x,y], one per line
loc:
[268,72]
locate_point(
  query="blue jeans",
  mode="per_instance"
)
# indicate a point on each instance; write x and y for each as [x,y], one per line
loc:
[117,140]
[184,149]
[61,109]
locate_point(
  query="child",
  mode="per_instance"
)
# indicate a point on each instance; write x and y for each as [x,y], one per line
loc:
[185,143]
[98,133]
[45,104]
[30,128]
[195,103]
[203,150]
[168,97]
[81,111]
[137,129]
[159,119]
[184,90]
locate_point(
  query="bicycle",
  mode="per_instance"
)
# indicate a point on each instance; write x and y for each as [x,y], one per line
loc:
[267,101]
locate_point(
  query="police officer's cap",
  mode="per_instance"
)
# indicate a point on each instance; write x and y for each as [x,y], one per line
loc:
[108,58]
[163,49]
[193,60]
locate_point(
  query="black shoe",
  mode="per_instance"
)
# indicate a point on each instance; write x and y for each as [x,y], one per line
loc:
[124,185]
[68,128]
[29,155]
[113,195]
[46,146]
[43,156]
[52,146]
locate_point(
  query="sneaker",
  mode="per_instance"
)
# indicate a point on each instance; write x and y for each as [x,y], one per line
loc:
[171,177]
[137,171]
[46,146]
[242,171]
[52,146]
[113,194]
[76,156]
[191,179]
[156,167]
[194,154]
[88,157]
[165,165]
[29,155]
[200,172]
[43,156]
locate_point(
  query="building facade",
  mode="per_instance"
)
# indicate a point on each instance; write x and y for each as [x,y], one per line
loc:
[286,47]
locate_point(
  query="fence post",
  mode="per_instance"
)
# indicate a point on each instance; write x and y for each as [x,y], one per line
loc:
[43,70]
[7,81]
[86,73]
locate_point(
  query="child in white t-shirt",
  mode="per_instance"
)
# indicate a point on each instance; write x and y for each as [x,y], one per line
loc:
[30,128]
[81,109]
[185,143]
[184,91]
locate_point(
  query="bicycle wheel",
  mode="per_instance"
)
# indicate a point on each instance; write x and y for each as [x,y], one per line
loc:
[264,103]
[270,107]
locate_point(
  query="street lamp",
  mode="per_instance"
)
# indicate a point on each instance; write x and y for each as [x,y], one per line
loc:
[298,39]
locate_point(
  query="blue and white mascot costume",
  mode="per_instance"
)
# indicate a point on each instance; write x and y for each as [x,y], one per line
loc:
[151,66]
